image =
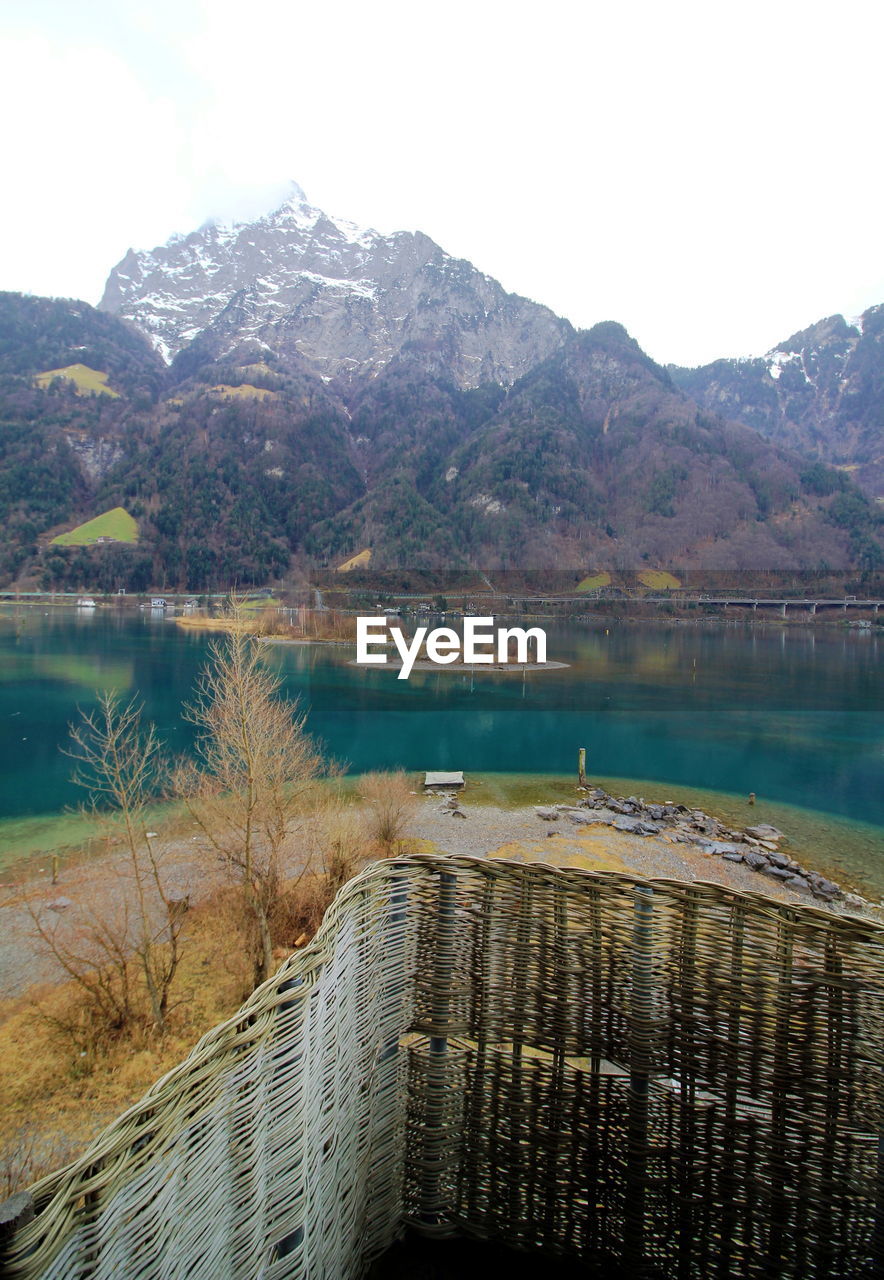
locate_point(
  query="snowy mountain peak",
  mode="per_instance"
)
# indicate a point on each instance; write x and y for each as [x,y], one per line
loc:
[294,204]
[297,210]
[324,291]
[295,194]
[295,207]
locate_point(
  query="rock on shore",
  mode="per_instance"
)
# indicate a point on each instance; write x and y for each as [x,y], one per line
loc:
[756,846]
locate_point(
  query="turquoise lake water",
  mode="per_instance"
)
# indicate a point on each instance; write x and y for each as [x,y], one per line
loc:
[793,714]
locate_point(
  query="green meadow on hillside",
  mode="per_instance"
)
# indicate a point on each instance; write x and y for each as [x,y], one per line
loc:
[87,382]
[116,524]
[594,582]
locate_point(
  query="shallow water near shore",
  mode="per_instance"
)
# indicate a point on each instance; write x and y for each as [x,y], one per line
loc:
[699,714]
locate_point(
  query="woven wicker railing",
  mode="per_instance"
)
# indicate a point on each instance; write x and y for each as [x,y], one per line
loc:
[655,1077]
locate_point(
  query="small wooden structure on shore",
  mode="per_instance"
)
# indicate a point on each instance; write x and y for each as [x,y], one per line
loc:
[444,781]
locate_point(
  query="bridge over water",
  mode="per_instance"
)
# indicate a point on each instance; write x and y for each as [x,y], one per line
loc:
[780,603]
[809,604]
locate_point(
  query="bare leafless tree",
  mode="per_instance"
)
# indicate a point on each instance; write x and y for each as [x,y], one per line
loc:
[131,936]
[255,764]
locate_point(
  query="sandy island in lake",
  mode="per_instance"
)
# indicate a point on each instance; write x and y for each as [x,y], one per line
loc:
[478,668]
[304,640]
[423,664]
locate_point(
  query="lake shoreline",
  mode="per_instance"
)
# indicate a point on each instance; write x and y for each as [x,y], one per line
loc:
[790,713]
[620,611]
[849,851]
[561,824]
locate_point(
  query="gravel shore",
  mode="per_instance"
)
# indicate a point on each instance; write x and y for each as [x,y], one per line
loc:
[448,824]
[524,836]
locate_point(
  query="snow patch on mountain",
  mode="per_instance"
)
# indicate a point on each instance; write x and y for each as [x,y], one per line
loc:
[780,359]
[340,297]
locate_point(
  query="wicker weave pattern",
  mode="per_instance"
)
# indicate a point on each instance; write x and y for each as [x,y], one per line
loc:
[253,1156]
[676,1078]
[664,1075]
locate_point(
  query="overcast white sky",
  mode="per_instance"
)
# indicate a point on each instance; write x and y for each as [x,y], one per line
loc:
[708,174]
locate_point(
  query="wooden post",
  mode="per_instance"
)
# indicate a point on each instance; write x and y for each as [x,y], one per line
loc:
[581,767]
[55,868]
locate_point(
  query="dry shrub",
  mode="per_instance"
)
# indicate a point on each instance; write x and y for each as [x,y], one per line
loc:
[345,842]
[102,1004]
[390,804]
[232,940]
[298,912]
[68,1098]
[333,843]
[327,624]
[302,624]
[269,622]
[86,1030]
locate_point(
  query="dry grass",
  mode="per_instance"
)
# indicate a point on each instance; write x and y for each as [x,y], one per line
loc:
[57,1090]
[56,1094]
[359,561]
[659,580]
[306,624]
[203,622]
[390,803]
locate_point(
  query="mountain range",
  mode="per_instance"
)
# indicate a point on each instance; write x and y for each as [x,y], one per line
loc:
[821,392]
[297,392]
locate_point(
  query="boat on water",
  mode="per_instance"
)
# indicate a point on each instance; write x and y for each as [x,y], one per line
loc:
[85,602]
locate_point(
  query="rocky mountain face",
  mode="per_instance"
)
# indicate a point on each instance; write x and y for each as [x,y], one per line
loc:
[294,392]
[329,296]
[820,392]
[594,457]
